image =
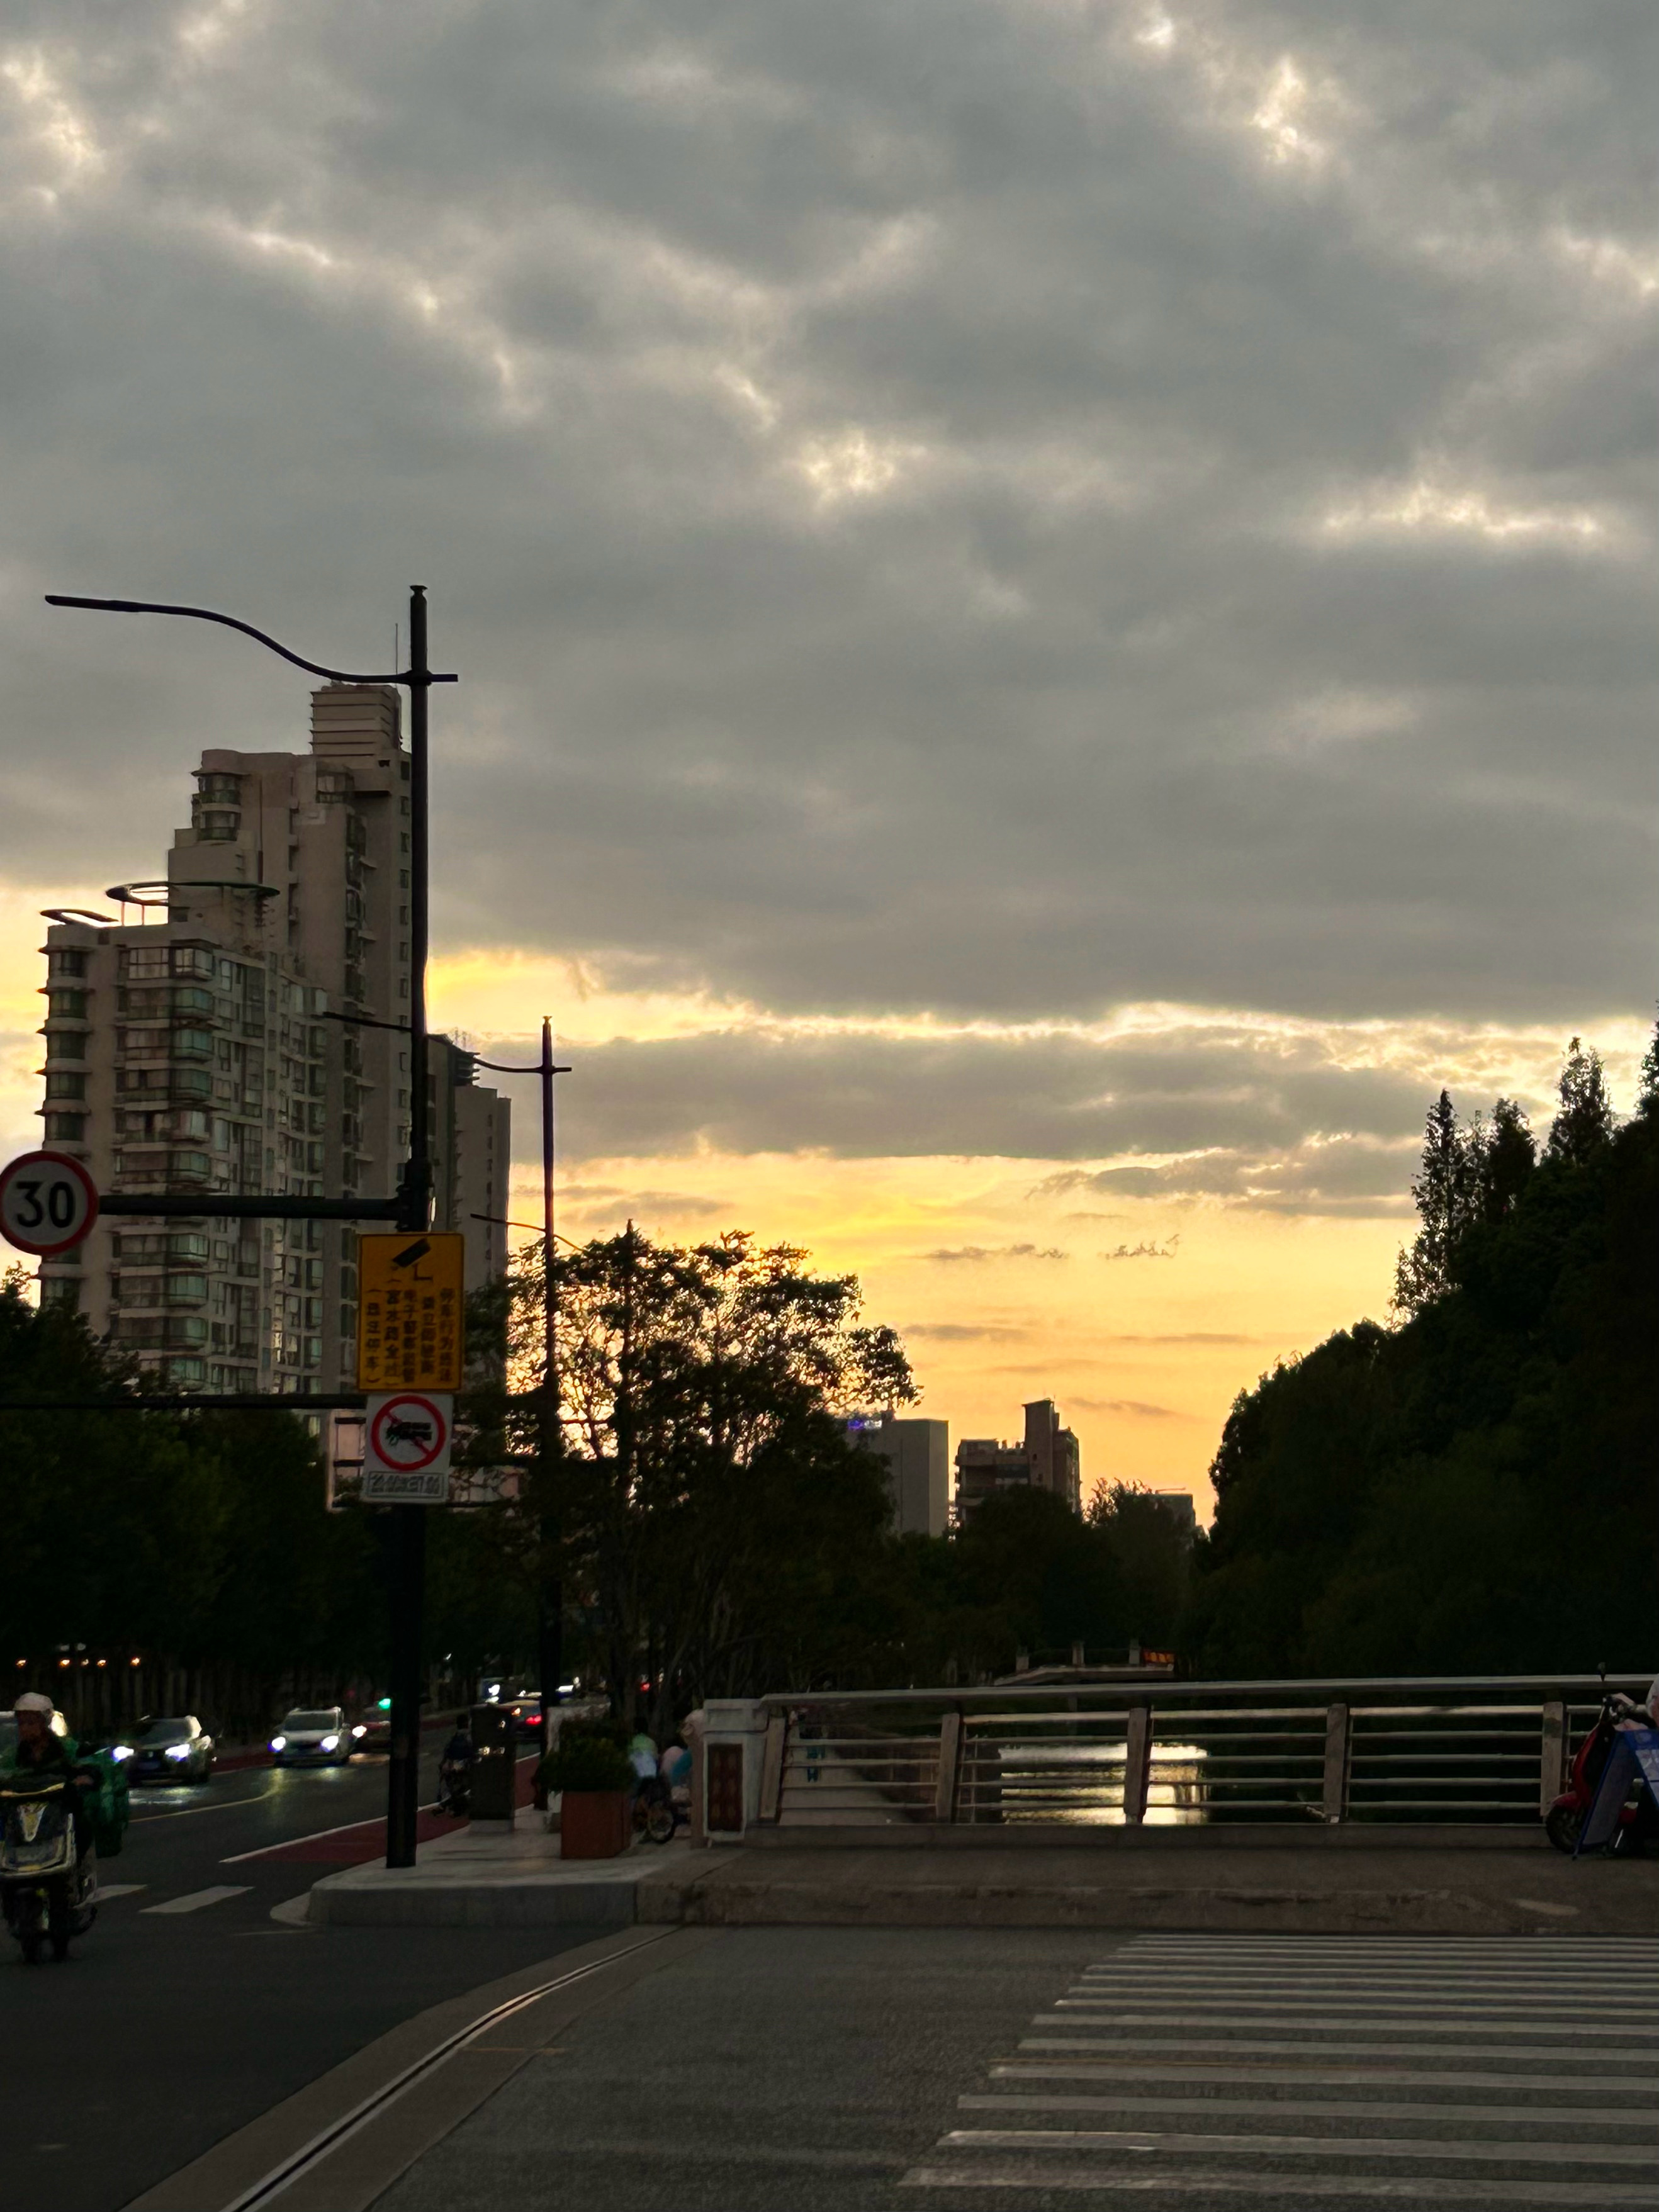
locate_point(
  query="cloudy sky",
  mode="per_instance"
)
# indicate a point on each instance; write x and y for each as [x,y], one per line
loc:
[1056,597]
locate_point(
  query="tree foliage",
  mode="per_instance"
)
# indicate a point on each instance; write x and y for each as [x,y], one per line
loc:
[200,1539]
[1475,1491]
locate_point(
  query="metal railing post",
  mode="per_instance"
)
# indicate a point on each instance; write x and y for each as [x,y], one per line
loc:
[1137,1764]
[1552,1753]
[1338,1734]
[950,1769]
[771,1786]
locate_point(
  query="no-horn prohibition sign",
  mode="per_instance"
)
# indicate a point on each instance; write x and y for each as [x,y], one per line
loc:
[48,1203]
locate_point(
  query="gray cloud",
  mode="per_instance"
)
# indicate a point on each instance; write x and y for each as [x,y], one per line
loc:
[1135,1408]
[689,1205]
[1141,1251]
[975,1255]
[961,1332]
[871,468]
[1243,1117]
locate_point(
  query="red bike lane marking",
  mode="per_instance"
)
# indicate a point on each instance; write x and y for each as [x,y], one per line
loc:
[366,1839]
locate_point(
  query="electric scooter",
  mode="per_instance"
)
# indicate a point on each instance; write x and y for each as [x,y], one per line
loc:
[48,1890]
[1565,1818]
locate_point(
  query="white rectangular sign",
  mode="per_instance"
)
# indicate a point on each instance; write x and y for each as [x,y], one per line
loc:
[385,1485]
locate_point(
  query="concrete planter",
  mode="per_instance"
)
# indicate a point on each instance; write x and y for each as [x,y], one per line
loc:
[593,1823]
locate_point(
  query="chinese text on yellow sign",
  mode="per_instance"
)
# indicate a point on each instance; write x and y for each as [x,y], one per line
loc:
[410,1317]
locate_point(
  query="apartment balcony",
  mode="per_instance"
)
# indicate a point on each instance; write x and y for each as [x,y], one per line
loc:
[160,1168]
[154,1333]
[160,1293]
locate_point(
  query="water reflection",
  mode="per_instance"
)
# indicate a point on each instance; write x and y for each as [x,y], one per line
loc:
[1083,1783]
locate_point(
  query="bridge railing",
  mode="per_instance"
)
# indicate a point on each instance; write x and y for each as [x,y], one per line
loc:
[1160,1752]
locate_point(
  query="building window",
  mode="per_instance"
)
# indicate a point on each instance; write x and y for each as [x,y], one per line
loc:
[66,1128]
[66,1006]
[74,964]
[66,1044]
[62,1086]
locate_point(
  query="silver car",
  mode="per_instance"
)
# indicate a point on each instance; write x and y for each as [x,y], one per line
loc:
[312,1737]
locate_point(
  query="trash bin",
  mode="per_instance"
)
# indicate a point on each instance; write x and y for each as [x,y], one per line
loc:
[493,1778]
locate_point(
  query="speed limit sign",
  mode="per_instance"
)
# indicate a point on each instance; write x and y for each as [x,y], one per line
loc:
[48,1203]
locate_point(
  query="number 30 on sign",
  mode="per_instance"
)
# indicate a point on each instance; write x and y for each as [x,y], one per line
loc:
[48,1203]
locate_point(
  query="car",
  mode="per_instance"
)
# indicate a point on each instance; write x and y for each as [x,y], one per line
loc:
[166,1749]
[312,1736]
[372,1729]
[526,1710]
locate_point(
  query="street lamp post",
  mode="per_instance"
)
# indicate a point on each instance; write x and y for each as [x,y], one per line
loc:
[549,1594]
[412,1206]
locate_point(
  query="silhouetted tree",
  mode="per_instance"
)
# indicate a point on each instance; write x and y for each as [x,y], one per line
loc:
[1583,1123]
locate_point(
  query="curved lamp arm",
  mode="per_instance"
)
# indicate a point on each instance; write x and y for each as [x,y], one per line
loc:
[229,622]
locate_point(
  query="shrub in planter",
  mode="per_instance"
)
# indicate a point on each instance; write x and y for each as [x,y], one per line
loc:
[595,1776]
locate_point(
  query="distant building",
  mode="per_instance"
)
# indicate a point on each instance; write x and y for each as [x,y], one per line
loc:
[1180,1504]
[1048,1459]
[918,1456]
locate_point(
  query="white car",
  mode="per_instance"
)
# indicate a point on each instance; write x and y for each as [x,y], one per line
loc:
[319,1738]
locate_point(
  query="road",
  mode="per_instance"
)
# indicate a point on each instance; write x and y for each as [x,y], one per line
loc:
[886,2071]
[188,2010]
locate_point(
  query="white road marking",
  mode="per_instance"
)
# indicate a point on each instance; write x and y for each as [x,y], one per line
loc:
[198,1898]
[188,1812]
[1274,2022]
[1265,2146]
[1622,2117]
[108,1889]
[1216,2181]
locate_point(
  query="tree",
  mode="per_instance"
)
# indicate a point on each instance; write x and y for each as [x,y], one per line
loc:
[1584,1121]
[1648,1098]
[1474,1492]
[709,1510]
[1508,1158]
[1447,1189]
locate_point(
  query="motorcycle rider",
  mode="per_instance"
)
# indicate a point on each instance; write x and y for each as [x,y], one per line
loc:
[41,1753]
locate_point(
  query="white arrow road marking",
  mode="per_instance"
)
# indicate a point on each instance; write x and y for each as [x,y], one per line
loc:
[199,1897]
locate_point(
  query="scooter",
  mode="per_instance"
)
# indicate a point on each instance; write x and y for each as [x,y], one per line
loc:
[48,1890]
[454,1790]
[1565,1821]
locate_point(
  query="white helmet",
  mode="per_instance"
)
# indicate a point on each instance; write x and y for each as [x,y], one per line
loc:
[34,1701]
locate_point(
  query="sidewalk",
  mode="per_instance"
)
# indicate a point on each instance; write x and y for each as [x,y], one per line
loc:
[472,1879]
[483,1877]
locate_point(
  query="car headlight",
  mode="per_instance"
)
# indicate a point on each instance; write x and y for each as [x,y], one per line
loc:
[120,1751]
[359,1730]
[330,1743]
[279,1743]
[178,1751]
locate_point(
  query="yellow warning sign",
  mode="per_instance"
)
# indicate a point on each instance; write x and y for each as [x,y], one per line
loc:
[411,1320]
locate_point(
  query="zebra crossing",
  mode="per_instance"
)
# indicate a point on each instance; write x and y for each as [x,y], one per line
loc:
[1252,2069]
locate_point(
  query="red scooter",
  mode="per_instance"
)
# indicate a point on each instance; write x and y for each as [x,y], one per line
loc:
[1565,1821]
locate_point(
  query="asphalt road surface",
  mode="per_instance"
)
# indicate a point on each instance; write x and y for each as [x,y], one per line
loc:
[188,2011]
[813,2069]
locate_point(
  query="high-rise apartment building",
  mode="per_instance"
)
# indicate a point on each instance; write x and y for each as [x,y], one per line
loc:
[918,1456]
[1049,1458]
[243,1037]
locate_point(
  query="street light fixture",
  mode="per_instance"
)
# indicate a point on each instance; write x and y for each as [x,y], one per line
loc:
[411,1209]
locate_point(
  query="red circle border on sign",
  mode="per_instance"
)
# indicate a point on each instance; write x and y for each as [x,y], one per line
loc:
[408,1398]
[77,1169]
